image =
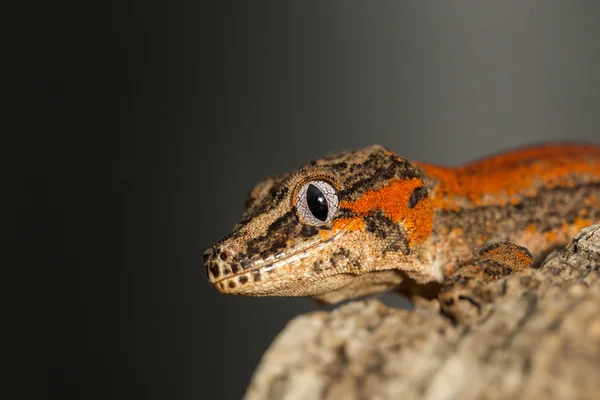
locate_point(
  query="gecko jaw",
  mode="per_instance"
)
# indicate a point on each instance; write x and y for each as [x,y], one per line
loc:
[257,278]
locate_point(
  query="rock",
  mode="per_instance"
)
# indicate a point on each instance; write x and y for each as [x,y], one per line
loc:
[533,334]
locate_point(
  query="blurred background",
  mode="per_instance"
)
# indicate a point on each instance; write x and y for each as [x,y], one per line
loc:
[140,129]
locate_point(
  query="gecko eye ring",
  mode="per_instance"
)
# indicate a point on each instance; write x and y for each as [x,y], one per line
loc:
[317,202]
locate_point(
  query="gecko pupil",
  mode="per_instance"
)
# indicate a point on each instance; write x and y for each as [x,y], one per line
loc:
[317,203]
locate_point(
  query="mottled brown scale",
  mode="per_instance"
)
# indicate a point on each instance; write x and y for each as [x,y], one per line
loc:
[403,224]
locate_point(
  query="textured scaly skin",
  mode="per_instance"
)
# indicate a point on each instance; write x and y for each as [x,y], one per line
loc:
[537,197]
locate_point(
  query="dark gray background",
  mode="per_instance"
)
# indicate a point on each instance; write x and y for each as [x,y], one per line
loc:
[153,122]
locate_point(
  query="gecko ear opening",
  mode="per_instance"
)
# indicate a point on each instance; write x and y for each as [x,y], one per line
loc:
[417,194]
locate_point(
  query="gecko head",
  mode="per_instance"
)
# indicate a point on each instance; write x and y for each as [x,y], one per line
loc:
[315,230]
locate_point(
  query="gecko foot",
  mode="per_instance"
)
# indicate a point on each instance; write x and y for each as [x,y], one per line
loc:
[464,292]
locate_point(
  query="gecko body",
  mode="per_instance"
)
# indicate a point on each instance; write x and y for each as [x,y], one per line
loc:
[367,221]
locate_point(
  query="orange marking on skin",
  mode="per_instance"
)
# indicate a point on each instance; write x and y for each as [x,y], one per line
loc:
[566,230]
[524,258]
[550,236]
[506,177]
[501,254]
[509,255]
[514,201]
[456,231]
[349,224]
[392,200]
[482,239]
[590,200]
[581,223]
[449,269]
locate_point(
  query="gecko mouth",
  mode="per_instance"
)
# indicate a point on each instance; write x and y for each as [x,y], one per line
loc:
[271,263]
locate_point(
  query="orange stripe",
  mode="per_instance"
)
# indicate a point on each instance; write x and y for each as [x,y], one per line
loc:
[507,177]
[392,200]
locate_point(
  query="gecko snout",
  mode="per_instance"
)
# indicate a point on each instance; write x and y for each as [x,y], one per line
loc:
[216,264]
[221,266]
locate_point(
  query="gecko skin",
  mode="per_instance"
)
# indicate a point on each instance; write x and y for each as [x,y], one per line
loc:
[368,221]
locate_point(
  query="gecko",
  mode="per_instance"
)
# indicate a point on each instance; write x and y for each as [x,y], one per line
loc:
[368,221]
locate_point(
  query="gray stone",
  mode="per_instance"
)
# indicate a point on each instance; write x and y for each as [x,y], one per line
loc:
[533,334]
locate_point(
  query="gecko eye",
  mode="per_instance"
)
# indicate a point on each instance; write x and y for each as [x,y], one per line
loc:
[317,202]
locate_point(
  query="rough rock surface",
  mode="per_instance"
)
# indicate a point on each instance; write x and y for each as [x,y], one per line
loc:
[533,334]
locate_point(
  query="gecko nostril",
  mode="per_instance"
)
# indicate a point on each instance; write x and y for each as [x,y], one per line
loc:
[205,257]
[223,256]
